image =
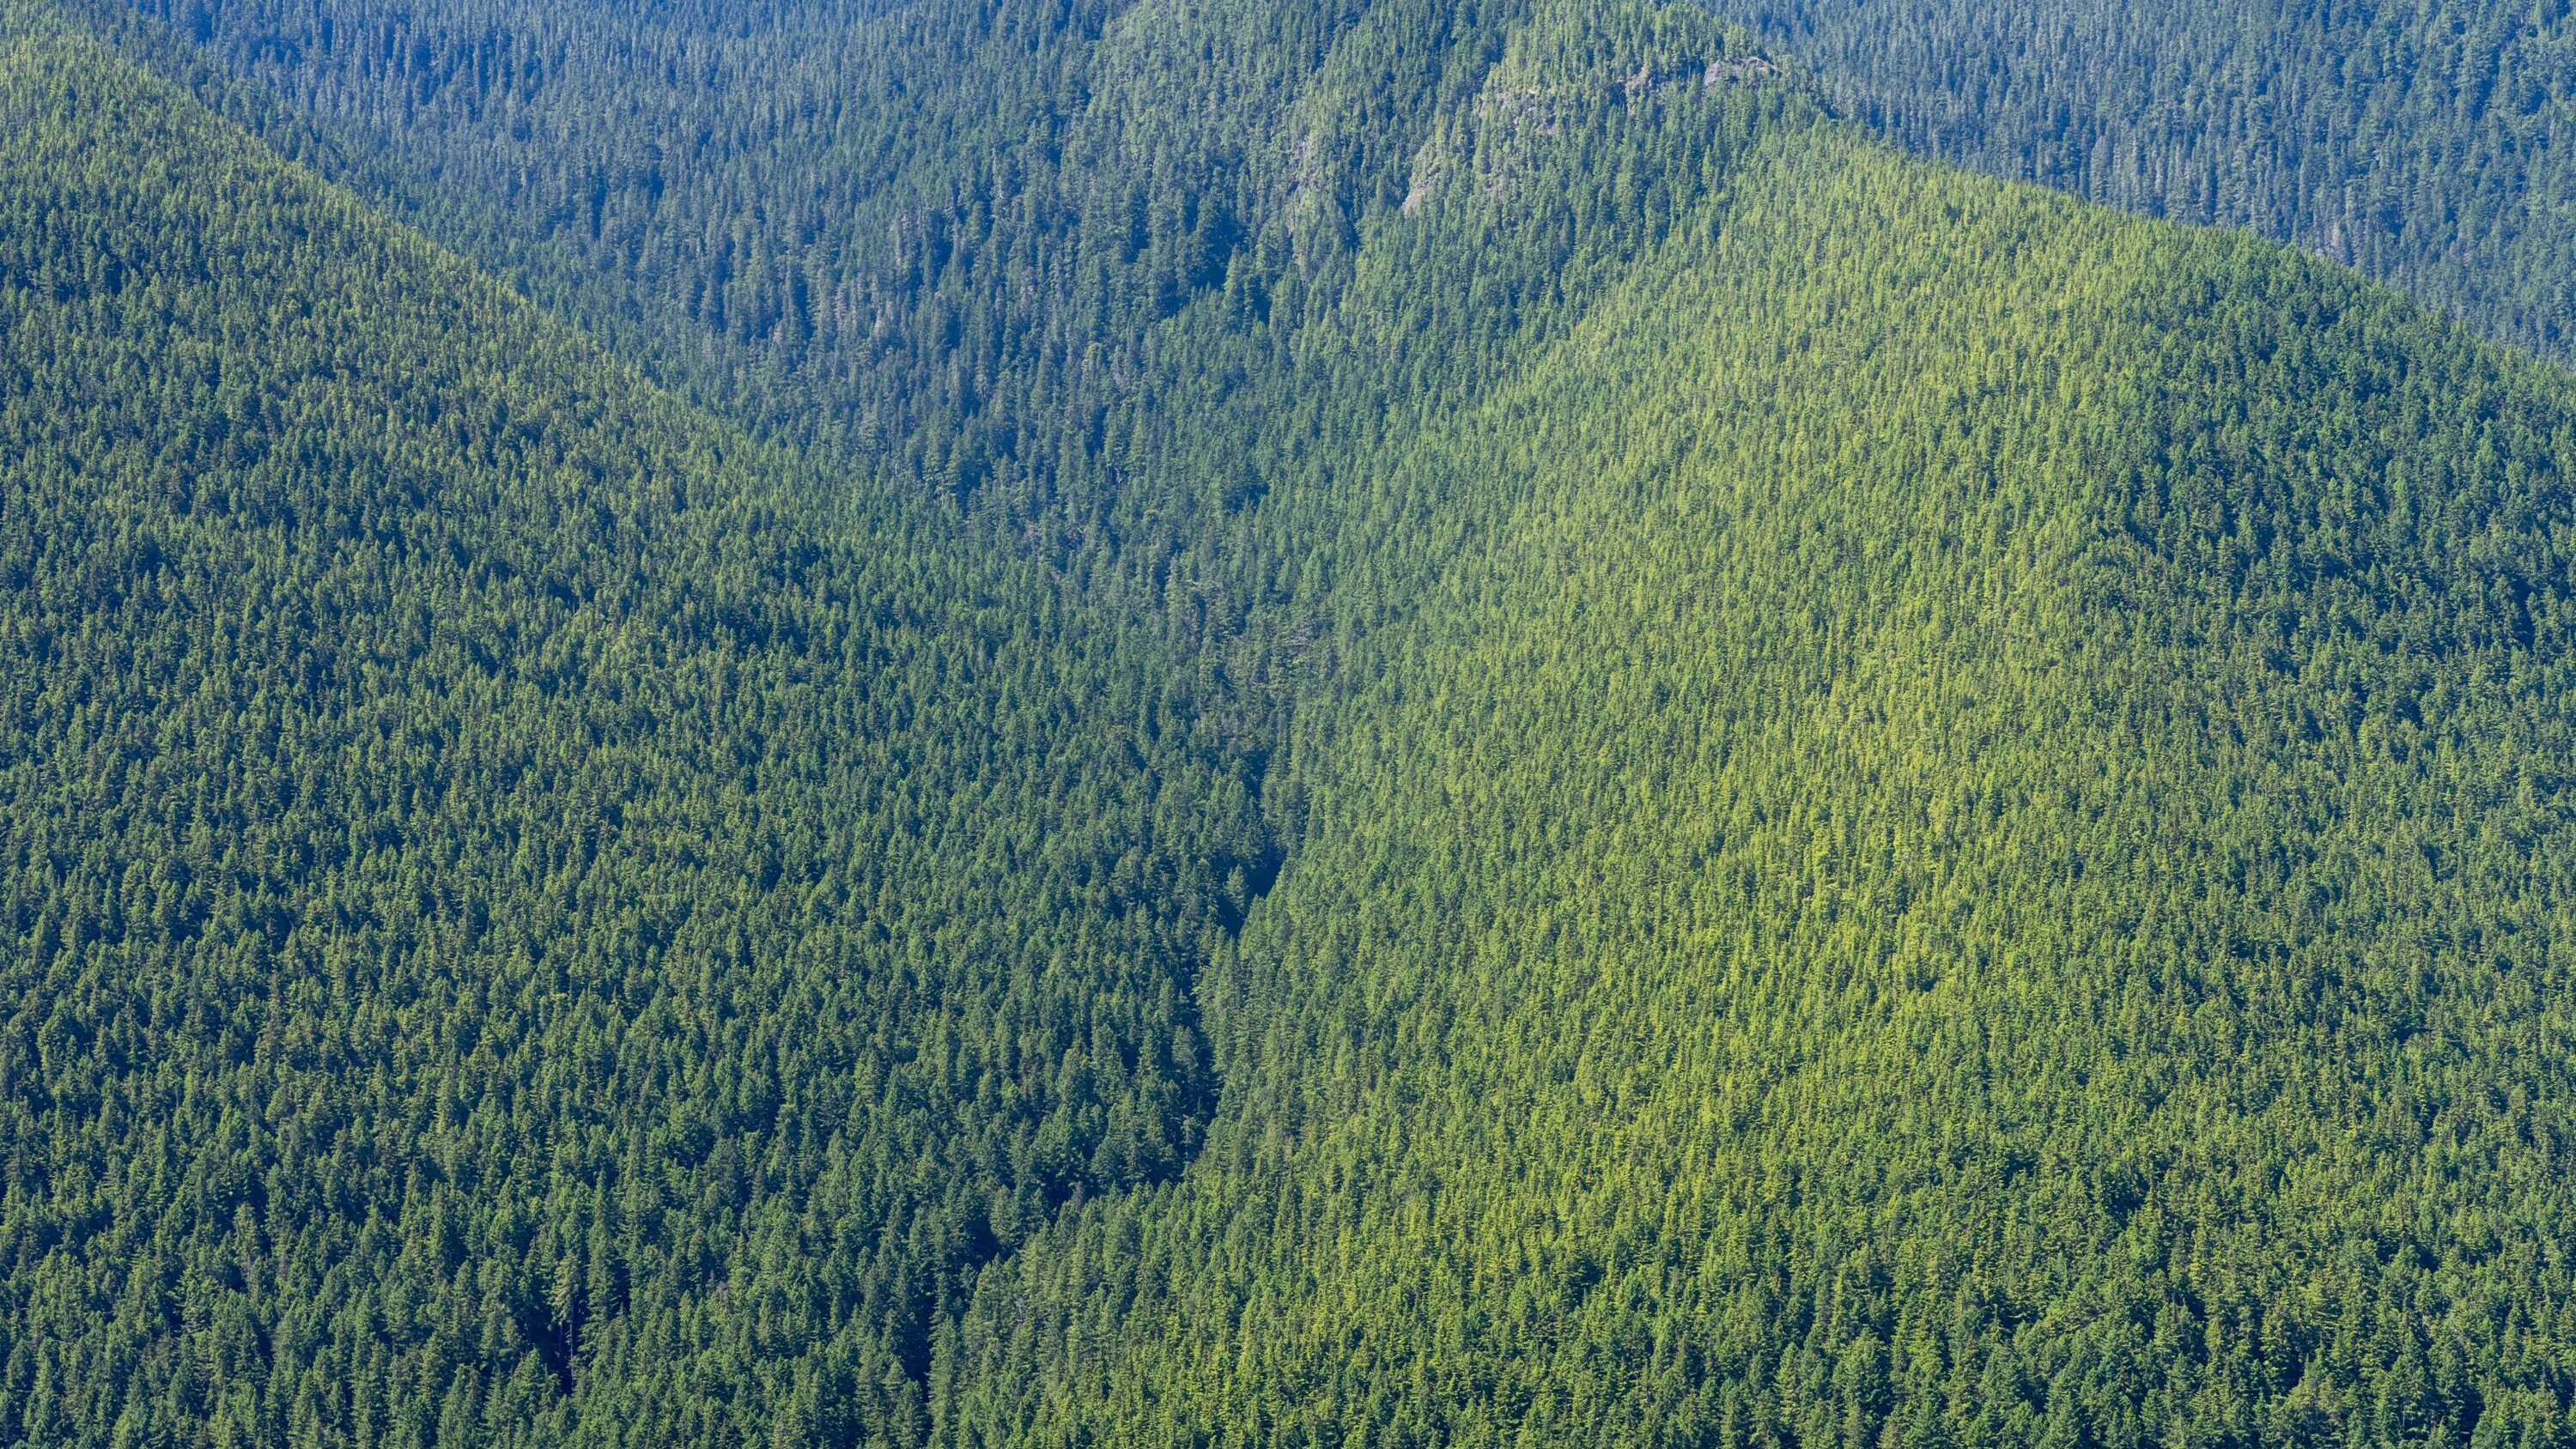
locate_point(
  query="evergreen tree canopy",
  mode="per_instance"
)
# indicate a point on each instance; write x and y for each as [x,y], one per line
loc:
[1255,723]
[523,911]
[2431,143]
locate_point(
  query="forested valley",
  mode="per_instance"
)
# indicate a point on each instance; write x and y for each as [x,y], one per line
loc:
[1267,722]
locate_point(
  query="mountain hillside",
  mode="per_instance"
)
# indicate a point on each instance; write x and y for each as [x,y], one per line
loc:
[1587,760]
[2431,143]
[1973,850]
[942,235]
[725,170]
[520,918]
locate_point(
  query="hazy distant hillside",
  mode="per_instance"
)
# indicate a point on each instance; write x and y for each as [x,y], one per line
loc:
[2431,143]
[943,234]
[730,170]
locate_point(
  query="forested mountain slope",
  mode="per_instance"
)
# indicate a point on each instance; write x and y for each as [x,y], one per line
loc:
[1912,812]
[2431,143]
[728,171]
[525,912]
[943,235]
[1970,848]
[1017,250]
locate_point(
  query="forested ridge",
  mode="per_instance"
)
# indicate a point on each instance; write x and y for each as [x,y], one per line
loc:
[511,884]
[977,243]
[727,170]
[1247,723]
[2431,143]
[1977,867]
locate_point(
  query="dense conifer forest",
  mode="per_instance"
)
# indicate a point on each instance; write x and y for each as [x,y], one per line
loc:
[728,168]
[1259,722]
[2431,143]
[508,881]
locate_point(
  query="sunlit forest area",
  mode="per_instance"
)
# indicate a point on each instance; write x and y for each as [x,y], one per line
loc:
[1278,723]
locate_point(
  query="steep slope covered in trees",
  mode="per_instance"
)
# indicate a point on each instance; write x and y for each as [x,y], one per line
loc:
[1017,252]
[729,171]
[2431,143]
[519,918]
[1973,850]
[945,236]
[1912,812]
